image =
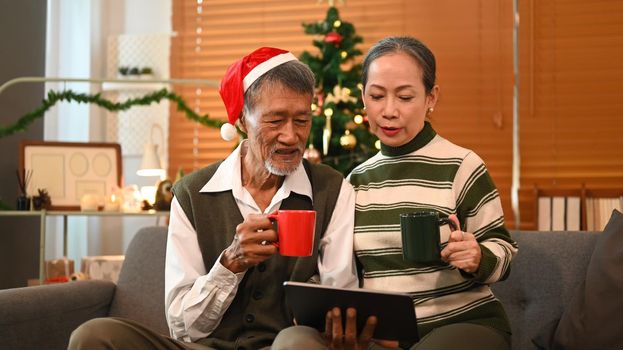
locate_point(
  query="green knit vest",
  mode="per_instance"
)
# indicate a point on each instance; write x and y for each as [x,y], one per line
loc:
[258,312]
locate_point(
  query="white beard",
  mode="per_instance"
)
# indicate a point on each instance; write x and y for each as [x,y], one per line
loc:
[279,172]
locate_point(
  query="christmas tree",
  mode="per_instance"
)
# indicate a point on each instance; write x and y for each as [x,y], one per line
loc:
[339,136]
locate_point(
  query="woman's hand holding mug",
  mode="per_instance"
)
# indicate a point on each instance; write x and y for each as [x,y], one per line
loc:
[462,250]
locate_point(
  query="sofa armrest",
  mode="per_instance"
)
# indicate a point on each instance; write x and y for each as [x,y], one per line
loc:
[43,317]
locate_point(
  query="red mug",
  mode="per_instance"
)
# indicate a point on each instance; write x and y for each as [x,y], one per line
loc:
[295,229]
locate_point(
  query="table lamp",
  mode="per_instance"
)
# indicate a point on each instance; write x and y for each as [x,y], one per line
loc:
[150,165]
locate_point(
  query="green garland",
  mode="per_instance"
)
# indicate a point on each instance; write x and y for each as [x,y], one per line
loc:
[68,95]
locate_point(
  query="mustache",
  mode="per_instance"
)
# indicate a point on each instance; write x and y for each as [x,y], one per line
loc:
[299,148]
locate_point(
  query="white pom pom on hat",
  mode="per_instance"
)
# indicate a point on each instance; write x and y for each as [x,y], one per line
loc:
[242,74]
[228,132]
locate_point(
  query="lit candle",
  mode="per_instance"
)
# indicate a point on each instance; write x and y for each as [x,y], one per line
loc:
[111,204]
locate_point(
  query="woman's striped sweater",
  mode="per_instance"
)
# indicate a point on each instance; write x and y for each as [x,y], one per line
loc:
[432,173]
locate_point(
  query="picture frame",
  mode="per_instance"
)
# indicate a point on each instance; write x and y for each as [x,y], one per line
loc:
[69,170]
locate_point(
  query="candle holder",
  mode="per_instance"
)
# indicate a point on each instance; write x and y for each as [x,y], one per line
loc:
[113,203]
[89,202]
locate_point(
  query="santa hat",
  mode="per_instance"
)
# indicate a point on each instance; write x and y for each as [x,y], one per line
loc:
[240,75]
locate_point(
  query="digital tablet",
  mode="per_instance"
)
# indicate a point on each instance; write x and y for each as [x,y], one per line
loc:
[395,313]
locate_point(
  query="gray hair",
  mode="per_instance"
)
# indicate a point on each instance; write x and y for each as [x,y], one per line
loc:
[293,75]
[412,47]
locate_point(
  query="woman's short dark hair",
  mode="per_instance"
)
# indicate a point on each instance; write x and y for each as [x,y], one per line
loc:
[293,75]
[412,47]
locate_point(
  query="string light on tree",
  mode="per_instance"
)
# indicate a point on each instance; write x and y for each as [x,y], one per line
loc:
[358,119]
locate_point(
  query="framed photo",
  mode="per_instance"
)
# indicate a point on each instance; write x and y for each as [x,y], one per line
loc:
[69,170]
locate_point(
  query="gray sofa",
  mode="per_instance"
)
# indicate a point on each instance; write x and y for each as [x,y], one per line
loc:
[544,276]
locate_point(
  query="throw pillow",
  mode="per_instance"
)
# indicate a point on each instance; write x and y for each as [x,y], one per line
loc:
[594,317]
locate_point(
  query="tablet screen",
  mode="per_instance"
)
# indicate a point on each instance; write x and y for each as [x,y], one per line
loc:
[394,311]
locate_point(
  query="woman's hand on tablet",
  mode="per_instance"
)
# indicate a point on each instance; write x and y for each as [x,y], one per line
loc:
[341,337]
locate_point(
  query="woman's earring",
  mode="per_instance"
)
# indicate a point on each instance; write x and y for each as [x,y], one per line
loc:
[429,110]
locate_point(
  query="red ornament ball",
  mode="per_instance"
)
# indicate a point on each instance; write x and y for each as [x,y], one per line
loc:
[333,38]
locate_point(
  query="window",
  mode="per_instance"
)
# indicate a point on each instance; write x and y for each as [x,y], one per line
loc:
[570,109]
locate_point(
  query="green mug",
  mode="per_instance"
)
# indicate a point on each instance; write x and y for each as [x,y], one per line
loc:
[420,236]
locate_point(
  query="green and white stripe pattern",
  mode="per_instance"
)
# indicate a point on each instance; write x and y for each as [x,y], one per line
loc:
[432,173]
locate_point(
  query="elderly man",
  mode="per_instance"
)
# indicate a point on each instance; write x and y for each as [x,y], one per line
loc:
[223,282]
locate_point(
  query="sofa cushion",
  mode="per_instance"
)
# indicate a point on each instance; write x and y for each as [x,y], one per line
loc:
[43,317]
[593,319]
[544,274]
[140,291]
